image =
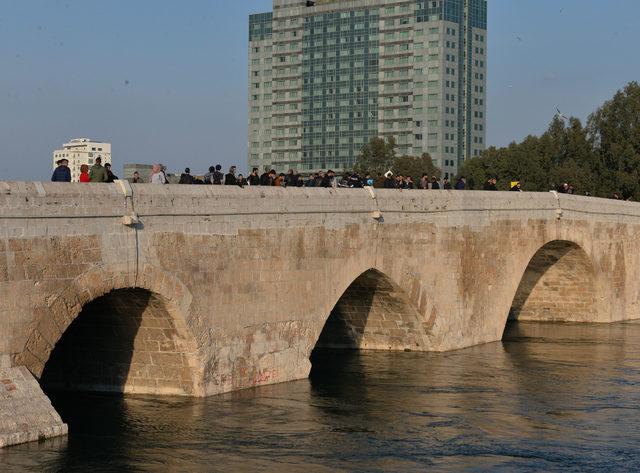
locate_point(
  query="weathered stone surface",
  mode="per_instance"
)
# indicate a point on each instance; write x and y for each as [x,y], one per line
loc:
[249,277]
[26,414]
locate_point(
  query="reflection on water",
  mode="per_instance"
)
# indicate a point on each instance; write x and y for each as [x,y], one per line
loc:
[551,397]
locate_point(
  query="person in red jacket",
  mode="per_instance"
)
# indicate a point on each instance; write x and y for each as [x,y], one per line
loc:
[84,173]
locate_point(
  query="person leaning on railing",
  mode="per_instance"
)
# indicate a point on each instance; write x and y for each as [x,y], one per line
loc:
[84,173]
[98,173]
[62,173]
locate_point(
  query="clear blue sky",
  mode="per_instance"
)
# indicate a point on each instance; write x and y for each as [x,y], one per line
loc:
[166,80]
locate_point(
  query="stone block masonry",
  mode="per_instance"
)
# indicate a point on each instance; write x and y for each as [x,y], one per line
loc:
[26,414]
[201,290]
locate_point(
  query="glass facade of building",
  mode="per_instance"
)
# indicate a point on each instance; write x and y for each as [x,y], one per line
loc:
[340,87]
[260,26]
[326,78]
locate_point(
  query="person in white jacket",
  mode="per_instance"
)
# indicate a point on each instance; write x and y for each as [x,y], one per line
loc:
[157,175]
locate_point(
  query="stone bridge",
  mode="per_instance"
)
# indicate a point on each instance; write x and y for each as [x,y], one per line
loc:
[201,290]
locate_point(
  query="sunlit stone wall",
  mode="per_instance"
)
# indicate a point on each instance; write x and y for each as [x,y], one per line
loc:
[249,277]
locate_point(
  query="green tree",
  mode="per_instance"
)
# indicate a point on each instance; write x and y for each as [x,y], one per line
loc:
[379,156]
[516,162]
[414,166]
[615,135]
[599,159]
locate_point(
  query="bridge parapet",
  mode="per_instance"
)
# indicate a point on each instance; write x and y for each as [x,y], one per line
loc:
[20,200]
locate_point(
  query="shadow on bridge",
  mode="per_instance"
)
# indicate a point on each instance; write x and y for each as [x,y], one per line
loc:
[372,314]
[558,285]
[124,341]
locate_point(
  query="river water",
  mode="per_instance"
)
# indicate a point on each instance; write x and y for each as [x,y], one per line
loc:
[548,398]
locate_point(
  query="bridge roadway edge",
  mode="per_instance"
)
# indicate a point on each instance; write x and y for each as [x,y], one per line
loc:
[266,266]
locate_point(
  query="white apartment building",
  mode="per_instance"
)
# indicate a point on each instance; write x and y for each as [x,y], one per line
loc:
[81,151]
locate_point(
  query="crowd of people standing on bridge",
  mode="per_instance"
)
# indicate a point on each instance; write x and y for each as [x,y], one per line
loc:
[326,179]
[270,178]
[95,173]
[329,179]
[99,173]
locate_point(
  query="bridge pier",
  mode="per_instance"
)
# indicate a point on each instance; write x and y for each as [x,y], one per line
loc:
[26,414]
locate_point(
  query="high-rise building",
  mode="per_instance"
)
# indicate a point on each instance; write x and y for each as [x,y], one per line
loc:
[81,151]
[326,76]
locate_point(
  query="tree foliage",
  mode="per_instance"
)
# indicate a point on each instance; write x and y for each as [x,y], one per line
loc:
[379,156]
[414,166]
[600,158]
[615,133]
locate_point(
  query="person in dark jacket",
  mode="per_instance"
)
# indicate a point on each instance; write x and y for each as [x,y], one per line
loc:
[311,180]
[214,176]
[218,175]
[111,177]
[62,173]
[186,177]
[265,178]
[241,181]
[434,183]
[254,178]
[389,181]
[461,183]
[328,180]
[291,179]
[446,185]
[208,177]
[408,183]
[490,185]
[230,177]
[355,182]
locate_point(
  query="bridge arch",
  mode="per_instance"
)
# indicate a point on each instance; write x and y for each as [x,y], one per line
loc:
[559,284]
[131,328]
[373,313]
